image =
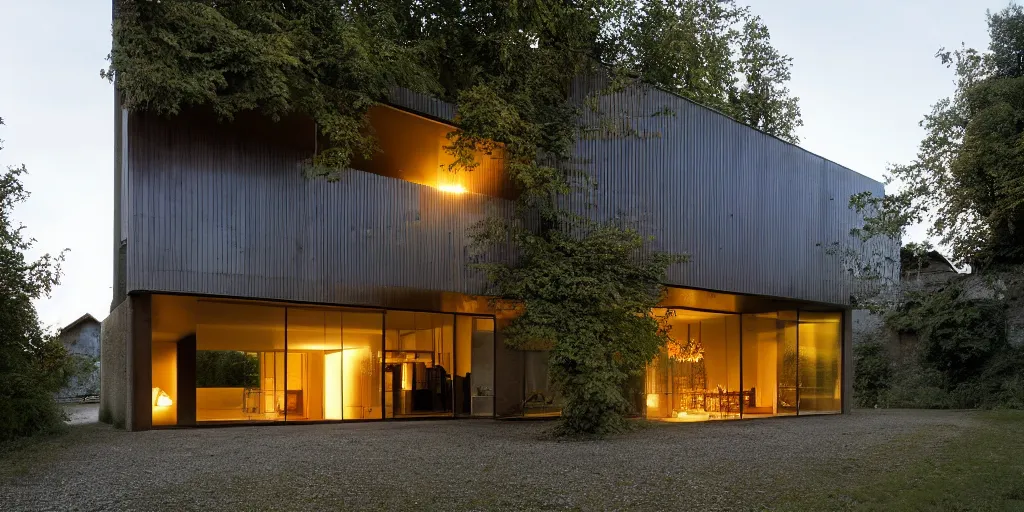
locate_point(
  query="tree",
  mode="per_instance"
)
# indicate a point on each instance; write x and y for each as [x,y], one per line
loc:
[582,286]
[967,181]
[33,363]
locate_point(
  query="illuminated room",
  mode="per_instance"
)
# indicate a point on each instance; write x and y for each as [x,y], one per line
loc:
[719,366]
[259,362]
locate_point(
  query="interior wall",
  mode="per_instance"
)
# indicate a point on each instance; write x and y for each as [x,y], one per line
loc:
[411,148]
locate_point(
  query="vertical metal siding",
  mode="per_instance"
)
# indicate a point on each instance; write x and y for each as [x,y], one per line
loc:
[755,213]
[219,215]
[215,211]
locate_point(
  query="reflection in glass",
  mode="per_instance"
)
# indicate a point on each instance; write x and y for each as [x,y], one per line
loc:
[225,389]
[820,362]
[482,376]
[786,336]
[541,396]
[418,364]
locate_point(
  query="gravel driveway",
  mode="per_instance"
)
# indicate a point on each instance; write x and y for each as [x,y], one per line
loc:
[448,465]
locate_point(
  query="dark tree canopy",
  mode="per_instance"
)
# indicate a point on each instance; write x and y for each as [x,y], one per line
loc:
[582,287]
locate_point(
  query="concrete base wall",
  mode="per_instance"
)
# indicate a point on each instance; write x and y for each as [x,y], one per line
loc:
[114,366]
[126,365]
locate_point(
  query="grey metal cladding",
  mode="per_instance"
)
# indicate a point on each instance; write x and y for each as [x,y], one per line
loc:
[225,210]
[755,214]
[229,212]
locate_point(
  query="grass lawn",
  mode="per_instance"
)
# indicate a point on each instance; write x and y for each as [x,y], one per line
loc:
[869,460]
[982,468]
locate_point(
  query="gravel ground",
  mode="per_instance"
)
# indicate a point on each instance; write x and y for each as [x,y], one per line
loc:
[80,414]
[456,465]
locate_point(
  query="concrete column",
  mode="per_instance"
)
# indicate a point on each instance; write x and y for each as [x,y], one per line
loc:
[140,364]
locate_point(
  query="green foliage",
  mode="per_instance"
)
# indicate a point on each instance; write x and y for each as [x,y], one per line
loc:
[227,369]
[872,373]
[329,60]
[963,357]
[589,298]
[966,180]
[584,287]
[713,52]
[33,364]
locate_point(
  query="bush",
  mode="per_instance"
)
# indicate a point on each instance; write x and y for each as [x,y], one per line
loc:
[964,358]
[33,365]
[872,373]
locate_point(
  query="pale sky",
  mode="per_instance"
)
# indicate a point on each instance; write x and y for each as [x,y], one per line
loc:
[864,71]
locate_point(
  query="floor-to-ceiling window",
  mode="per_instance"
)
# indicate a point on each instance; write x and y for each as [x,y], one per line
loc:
[225,361]
[697,374]
[820,377]
[241,364]
[725,366]
[361,360]
[474,366]
[418,364]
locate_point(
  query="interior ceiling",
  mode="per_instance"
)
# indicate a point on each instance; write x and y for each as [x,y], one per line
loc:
[691,315]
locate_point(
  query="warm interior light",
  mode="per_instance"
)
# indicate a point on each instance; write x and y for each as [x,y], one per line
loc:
[652,400]
[161,398]
[454,189]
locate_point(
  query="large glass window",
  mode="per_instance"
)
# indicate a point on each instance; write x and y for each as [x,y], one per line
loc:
[697,375]
[314,376]
[418,364]
[761,343]
[820,362]
[788,365]
[474,366]
[232,339]
[361,365]
[541,396]
[249,361]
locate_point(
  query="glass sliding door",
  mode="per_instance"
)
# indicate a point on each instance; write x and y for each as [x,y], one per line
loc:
[313,365]
[820,384]
[761,343]
[418,364]
[474,366]
[361,358]
[788,342]
[482,369]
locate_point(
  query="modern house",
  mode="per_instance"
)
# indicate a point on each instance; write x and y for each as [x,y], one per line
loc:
[246,292]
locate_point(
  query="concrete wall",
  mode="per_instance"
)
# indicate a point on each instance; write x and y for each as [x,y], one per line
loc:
[126,366]
[114,366]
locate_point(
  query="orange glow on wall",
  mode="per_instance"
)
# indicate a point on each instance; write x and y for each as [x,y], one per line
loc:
[452,188]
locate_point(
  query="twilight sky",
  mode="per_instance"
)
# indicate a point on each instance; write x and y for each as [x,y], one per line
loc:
[863,70]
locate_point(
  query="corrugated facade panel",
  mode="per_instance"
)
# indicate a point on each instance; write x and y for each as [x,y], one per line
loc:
[423,104]
[227,211]
[213,213]
[755,214]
